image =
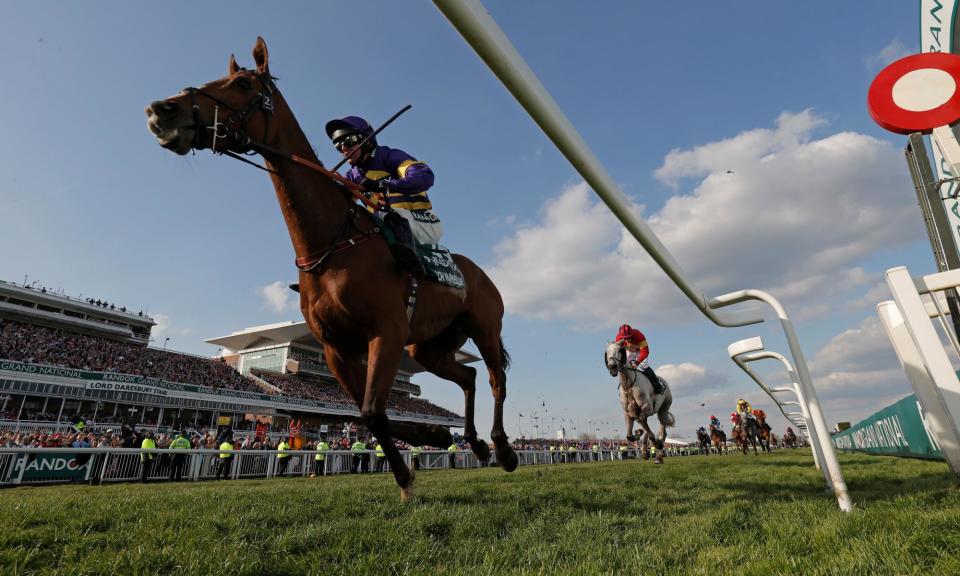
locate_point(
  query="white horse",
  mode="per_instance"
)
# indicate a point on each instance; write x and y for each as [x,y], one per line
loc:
[638,400]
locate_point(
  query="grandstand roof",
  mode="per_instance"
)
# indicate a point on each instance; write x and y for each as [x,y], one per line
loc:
[299,333]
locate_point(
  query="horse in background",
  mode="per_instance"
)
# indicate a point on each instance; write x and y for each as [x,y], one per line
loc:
[719,439]
[789,439]
[763,429]
[353,294]
[744,433]
[703,442]
[638,400]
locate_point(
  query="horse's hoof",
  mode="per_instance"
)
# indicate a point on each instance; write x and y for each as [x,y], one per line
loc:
[406,493]
[481,450]
[508,460]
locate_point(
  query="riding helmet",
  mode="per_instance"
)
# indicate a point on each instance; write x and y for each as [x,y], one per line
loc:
[340,127]
[624,332]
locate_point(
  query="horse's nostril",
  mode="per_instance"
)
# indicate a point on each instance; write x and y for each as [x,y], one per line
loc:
[164,107]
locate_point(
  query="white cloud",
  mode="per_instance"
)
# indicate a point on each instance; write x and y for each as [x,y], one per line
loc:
[795,216]
[162,327]
[277,297]
[892,52]
[690,379]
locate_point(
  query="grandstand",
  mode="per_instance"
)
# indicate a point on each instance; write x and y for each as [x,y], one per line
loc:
[63,360]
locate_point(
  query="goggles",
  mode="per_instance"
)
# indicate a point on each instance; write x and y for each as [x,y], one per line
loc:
[348,141]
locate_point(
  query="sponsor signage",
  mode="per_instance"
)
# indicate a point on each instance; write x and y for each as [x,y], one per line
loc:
[938,18]
[898,430]
[54,466]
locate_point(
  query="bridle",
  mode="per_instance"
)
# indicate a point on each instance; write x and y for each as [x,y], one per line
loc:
[234,127]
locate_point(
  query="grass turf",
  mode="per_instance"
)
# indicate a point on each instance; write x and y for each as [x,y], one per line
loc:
[693,515]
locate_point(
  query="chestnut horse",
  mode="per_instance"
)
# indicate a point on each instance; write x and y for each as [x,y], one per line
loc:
[763,430]
[719,439]
[353,294]
[745,434]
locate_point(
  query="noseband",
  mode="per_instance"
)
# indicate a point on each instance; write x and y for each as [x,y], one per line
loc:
[235,125]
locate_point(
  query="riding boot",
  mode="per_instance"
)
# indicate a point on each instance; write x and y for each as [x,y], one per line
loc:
[404,249]
[294,287]
[654,381]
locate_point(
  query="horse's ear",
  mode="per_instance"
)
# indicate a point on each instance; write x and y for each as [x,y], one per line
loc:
[233,67]
[260,56]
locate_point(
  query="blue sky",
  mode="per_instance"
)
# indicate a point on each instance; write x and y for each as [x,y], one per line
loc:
[739,130]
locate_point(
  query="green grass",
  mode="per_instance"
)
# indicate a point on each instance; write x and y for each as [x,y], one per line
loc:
[694,515]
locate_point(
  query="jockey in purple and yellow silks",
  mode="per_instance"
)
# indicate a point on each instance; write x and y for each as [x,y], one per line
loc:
[400,181]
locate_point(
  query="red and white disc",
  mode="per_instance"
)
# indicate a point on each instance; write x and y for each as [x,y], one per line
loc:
[917,93]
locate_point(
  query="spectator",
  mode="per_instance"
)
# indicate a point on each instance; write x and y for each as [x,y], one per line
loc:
[147,456]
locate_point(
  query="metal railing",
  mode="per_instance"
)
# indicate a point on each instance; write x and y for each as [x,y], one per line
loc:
[31,466]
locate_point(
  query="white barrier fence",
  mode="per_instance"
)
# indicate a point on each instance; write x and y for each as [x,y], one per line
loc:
[920,349]
[20,466]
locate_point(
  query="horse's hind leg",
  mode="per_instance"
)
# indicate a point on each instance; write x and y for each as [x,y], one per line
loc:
[437,356]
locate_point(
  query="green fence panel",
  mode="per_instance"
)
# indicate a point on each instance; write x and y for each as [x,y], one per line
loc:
[897,430]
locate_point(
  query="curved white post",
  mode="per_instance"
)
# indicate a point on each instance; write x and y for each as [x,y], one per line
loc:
[471,19]
[758,354]
[832,465]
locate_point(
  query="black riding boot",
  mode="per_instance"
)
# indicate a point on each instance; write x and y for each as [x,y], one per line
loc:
[294,287]
[404,248]
[654,381]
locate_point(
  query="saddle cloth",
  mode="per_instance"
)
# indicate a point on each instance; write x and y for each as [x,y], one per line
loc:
[440,265]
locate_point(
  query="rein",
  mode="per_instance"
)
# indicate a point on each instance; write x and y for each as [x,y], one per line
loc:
[263,101]
[235,128]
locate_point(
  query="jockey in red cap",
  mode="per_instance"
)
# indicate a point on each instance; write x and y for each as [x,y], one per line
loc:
[637,351]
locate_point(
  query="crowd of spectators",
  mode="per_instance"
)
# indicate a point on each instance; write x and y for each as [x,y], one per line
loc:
[304,385]
[49,346]
[42,345]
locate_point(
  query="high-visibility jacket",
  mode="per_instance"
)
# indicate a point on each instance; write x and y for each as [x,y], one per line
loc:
[379,451]
[415,451]
[283,447]
[595,448]
[180,443]
[147,444]
[226,446]
[452,448]
[358,446]
[322,449]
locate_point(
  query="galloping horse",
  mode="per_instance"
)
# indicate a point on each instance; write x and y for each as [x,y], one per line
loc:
[745,434]
[353,294]
[763,430]
[638,400]
[719,439]
[789,439]
[703,442]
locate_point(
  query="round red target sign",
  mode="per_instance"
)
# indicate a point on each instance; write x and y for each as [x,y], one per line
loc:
[917,93]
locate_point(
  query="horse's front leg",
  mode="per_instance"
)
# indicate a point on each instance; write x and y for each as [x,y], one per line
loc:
[383,360]
[628,424]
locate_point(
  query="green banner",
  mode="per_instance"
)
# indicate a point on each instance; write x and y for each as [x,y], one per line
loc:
[898,430]
[54,466]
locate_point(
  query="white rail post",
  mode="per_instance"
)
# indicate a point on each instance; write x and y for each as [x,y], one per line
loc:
[941,401]
[806,386]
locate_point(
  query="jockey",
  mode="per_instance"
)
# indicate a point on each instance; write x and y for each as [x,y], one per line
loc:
[635,343]
[743,407]
[714,423]
[398,180]
[735,418]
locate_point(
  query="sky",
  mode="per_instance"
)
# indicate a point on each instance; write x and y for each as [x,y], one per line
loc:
[738,131]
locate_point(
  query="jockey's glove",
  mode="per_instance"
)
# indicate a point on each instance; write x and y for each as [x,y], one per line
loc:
[369,185]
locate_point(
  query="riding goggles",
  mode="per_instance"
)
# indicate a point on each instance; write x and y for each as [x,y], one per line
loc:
[348,141]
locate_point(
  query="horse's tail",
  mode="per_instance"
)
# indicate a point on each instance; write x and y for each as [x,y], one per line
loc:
[671,421]
[504,356]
